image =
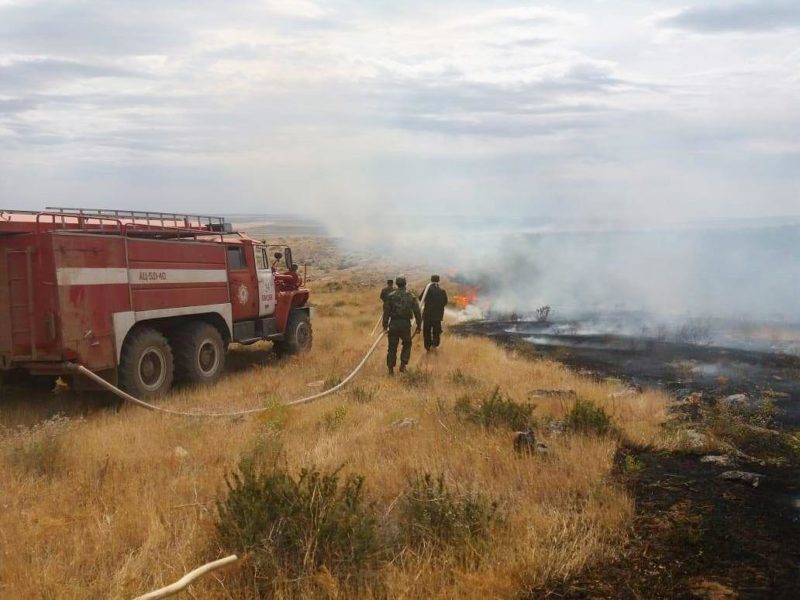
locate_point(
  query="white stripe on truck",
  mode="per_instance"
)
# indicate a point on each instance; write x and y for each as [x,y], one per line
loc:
[110,276]
[86,276]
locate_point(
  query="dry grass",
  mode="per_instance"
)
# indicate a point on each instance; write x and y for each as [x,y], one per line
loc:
[125,513]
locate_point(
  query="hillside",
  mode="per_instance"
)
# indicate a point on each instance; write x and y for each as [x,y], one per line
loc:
[119,502]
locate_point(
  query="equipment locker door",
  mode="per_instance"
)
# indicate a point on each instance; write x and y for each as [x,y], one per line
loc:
[22,323]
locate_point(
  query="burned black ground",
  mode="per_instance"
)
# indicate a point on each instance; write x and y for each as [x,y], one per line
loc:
[694,534]
[678,367]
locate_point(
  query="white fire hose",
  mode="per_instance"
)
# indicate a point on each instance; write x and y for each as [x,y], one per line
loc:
[75,368]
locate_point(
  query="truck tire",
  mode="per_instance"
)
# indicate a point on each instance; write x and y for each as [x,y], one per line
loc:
[199,353]
[299,335]
[146,366]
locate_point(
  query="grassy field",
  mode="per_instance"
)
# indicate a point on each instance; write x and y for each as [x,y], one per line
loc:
[124,501]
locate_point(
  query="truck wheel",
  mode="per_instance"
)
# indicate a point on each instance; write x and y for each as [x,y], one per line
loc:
[146,366]
[199,353]
[299,335]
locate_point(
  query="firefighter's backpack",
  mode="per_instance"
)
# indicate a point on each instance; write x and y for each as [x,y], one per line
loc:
[399,304]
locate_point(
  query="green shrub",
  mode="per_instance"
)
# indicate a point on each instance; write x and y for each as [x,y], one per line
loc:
[458,377]
[264,451]
[496,410]
[331,382]
[295,527]
[764,415]
[416,378]
[434,515]
[333,419]
[632,466]
[748,434]
[38,450]
[363,395]
[587,417]
[275,416]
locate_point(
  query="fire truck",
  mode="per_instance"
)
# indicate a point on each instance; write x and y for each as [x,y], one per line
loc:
[142,299]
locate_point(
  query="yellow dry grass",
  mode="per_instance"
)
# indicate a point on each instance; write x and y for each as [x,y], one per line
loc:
[125,513]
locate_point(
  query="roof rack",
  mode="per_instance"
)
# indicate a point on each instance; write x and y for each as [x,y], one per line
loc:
[147,219]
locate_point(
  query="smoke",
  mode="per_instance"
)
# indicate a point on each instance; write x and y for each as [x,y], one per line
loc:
[744,270]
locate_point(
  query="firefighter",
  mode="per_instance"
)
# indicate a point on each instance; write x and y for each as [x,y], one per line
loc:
[387,290]
[433,314]
[398,309]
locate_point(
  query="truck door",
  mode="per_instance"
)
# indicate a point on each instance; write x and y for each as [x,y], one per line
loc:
[266,282]
[243,282]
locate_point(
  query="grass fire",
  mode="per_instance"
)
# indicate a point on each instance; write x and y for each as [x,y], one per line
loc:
[374,301]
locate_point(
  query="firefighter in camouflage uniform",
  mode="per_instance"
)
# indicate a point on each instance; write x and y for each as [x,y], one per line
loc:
[398,309]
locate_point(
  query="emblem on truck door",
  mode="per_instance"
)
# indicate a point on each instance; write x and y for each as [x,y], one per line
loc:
[243,294]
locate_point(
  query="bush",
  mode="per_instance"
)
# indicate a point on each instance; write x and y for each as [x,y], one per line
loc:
[295,528]
[432,515]
[333,419]
[748,434]
[275,416]
[416,378]
[587,417]
[38,450]
[331,382]
[496,410]
[458,377]
[632,466]
[265,451]
[363,395]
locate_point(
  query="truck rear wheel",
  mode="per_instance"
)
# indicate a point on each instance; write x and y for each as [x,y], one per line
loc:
[199,353]
[146,366]
[299,335]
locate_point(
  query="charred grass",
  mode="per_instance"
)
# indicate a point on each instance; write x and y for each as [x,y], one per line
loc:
[445,508]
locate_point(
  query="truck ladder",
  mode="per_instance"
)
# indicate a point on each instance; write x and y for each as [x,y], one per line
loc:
[149,219]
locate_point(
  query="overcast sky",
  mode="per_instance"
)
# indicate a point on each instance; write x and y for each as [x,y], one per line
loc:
[655,109]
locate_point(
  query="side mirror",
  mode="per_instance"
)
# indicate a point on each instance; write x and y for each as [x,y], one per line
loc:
[288,253]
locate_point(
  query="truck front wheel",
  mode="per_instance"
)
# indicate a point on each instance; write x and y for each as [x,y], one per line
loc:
[299,335]
[199,353]
[146,365]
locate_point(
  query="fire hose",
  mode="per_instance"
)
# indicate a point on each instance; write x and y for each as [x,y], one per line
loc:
[76,368]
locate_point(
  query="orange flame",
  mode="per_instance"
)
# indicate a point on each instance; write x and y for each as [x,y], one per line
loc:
[464,300]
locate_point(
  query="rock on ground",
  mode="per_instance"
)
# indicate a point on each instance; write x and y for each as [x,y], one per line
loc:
[406,423]
[721,460]
[753,479]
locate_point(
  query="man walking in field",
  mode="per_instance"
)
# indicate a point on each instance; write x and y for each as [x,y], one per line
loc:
[387,290]
[433,313]
[398,309]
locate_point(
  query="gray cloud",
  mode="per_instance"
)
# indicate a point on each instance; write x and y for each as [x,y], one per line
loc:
[17,105]
[416,105]
[34,73]
[759,15]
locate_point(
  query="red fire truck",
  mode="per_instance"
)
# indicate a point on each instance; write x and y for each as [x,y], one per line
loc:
[143,299]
